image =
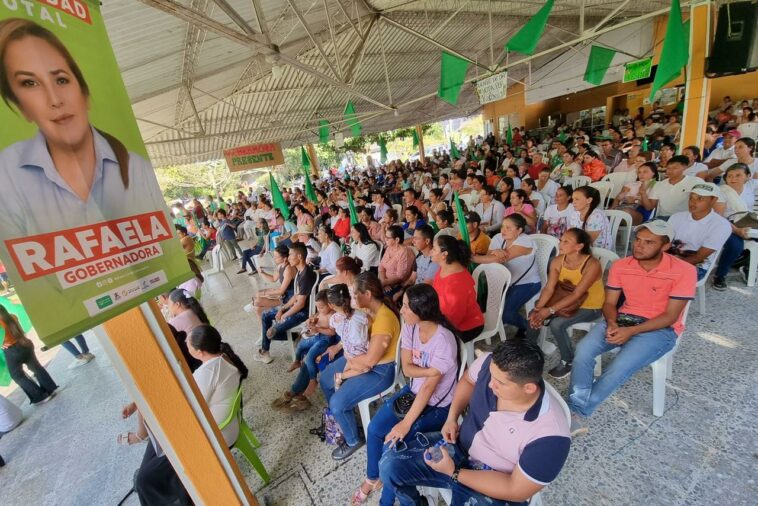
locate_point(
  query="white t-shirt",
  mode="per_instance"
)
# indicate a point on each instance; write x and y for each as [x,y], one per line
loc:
[329,257]
[218,381]
[749,129]
[696,168]
[720,154]
[673,198]
[710,232]
[738,203]
[549,189]
[368,253]
[521,264]
[557,221]
[541,204]
[753,166]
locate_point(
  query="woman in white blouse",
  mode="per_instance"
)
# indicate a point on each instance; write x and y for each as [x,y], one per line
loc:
[364,248]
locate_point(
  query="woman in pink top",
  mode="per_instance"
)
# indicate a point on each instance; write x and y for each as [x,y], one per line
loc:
[397,263]
[455,287]
[520,205]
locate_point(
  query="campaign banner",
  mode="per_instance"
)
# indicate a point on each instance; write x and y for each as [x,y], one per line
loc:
[492,88]
[637,69]
[254,156]
[84,230]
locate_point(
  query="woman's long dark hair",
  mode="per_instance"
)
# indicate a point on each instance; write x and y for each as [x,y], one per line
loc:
[424,301]
[206,338]
[339,295]
[329,232]
[187,301]
[456,249]
[365,237]
[583,238]
[368,282]
[590,193]
[11,324]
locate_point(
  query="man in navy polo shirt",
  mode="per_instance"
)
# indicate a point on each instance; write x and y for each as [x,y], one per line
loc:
[513,441]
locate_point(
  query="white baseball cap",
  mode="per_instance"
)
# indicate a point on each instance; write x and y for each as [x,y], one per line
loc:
[658,227]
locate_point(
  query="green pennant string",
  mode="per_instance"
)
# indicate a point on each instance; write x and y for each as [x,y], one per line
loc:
[525,41]
[598,64]
[452,75]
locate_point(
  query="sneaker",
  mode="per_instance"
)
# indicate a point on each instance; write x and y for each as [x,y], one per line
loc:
[241,271]
[578,425]
[79,361]
[344,450]
[89,356]
[719,284]
[560,371]
[45,400]
[263,356]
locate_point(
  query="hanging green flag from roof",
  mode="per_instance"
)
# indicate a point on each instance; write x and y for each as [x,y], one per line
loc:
[277,198]
[452,76]
[415,139]
[382,150]
[351,206]
[509,135]
[309,191]
[323,131]
[461,220]
[675,53]
[525,41]
[454,150]
[305,160]
[352,120]
[598,64]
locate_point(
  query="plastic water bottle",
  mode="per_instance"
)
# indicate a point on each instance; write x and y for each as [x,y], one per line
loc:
[435,452]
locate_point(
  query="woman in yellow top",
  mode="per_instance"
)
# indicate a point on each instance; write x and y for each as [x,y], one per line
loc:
[377,364]
[576,265]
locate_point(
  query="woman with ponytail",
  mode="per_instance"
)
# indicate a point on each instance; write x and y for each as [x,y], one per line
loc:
[589,216]
[455,286]
[185,311]
[377,364]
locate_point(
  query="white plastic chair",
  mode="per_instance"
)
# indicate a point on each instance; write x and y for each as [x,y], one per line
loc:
[467,198]
[546,248]
[498,280]
[577,181]
[605,188]
[217,264]
[619,180]
[363,406]
[662,370]
[752,247]
[700,295]
[618,218]
[399,209]
[311,310]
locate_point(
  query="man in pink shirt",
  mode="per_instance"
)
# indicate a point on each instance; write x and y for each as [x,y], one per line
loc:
[656,287]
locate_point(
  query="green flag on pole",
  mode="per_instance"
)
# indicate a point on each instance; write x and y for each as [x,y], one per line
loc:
[305,160]
[509,135]
[352,120]
[644,145]
[309,191]
[598,64]
[675,53]
[525,41]
[461,220]
[323,131]
[351,206]
[452,75]
[277,198]
[454,150]
[415,139]
[382,150]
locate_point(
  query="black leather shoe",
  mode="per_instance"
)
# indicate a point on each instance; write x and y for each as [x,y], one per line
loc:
[343,451]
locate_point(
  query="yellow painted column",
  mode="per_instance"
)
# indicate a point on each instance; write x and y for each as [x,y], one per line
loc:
[698,87]
[420,134]
[145,363]
[315,170]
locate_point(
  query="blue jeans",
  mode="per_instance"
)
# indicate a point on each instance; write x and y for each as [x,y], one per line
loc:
[732,249]
[247,257]
[515,298]
[403,471]
[267,321]
[643,349]
[308,349]
[432,419]
[71,348]
[352,391]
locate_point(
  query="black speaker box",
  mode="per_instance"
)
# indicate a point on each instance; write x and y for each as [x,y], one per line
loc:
[735,47]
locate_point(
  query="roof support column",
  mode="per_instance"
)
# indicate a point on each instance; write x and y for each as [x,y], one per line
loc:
[697,86]
[420,133]
[315,169]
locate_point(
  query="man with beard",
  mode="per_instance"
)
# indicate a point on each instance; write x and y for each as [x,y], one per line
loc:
[656,286]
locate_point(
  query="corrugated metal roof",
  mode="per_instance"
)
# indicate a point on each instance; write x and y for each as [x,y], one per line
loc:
[240,100]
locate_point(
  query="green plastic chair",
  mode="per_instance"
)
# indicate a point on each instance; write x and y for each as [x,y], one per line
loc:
[246,440]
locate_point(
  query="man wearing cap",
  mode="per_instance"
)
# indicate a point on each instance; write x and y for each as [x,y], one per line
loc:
[656,287]
[479,242]
[724,152]
[700,232]
[305,236]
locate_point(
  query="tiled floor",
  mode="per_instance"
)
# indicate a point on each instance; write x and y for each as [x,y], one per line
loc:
[704,450]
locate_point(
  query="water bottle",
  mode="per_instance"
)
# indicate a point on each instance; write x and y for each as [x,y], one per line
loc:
[435,452]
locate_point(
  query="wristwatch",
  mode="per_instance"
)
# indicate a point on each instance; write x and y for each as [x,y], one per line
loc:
[455,474]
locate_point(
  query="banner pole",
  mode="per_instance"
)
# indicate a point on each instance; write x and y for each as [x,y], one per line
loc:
[148,361]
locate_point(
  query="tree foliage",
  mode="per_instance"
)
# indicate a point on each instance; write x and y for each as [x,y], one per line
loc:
[200,179]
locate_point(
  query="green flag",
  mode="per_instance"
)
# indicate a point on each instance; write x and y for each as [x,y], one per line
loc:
[305,160]
[323,131]
[454,150]
[415,139]
[452,75]
[644,145]
[675,53]
[352,120]
[309,191]
[525,41]
[382,150]
[509,135]
[461,220]
[351,206]
[598,64]
[277,198]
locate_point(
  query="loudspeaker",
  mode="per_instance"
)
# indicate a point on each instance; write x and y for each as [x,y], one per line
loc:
[735,47]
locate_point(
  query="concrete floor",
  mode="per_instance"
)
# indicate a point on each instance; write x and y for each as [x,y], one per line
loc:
[704,449]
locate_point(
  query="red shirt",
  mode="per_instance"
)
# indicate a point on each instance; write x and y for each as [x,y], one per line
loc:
[342,228]
[534,170]
[458,300]
[595,170]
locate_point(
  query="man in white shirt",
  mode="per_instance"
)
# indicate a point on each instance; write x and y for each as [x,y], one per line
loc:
[724,152]
[700,232]
[671,195]
[750,128]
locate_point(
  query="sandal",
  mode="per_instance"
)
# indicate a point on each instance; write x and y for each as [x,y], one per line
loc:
[282,401]
[129,439]
[360,497]
[299,403]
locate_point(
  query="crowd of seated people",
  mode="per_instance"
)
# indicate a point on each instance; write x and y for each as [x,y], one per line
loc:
[396,287]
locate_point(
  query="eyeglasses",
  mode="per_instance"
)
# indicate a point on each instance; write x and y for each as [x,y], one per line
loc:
[421,439]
